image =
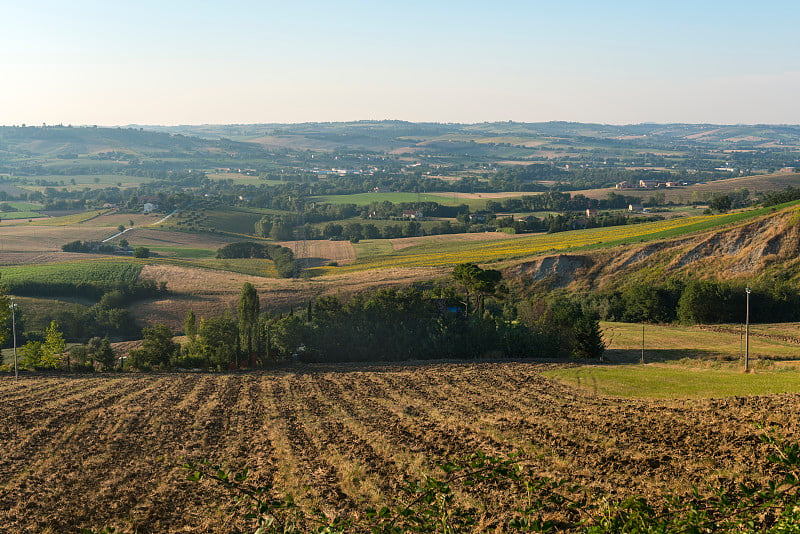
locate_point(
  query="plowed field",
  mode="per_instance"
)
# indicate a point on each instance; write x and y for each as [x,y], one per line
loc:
[105,450]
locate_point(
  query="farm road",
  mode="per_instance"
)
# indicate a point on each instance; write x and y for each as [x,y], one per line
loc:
[134,227]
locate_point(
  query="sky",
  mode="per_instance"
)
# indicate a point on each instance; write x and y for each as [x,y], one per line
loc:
[168,62]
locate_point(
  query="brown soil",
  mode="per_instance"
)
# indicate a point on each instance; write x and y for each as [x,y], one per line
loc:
[319,252]
[106,450]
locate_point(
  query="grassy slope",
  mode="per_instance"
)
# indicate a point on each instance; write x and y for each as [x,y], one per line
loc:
[673,382]
[689,362]
[437,253]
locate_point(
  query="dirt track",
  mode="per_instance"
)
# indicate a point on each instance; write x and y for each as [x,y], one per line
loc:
[103,450]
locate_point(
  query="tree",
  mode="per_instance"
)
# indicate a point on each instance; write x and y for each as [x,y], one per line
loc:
[141,252]
[478,282]
[721,203]
[52,349]
[123,243]
[158,349]
[190,325]
[121,227]
[31,355]
[249,308]
[105,355]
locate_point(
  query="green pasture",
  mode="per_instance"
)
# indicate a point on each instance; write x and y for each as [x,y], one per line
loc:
[372,247]
[713,345]
[25,206]
[365,199]
[249,266]
[242,179]
[690,362]
[90,271]
[191,253]
[15,215]
[677,381]
[92,181]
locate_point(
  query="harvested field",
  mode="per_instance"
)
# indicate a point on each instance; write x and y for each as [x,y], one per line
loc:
[154,237]
[29,238]
[209,293]
[105,450]
[321,251]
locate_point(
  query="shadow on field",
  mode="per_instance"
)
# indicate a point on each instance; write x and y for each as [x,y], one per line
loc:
[308,263]
[626,356]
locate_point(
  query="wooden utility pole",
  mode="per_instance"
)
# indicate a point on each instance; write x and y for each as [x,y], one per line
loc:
[747,333]
[642,360]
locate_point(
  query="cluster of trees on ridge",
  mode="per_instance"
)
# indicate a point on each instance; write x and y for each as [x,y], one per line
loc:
[282,257]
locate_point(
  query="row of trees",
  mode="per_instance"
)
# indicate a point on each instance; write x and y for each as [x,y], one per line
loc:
[697,302]
[469,320]
[282,257]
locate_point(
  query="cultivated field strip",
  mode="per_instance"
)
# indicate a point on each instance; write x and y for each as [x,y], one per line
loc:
[97,450]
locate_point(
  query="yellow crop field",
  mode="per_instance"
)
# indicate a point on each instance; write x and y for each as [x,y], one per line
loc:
[444,254]
[67,220]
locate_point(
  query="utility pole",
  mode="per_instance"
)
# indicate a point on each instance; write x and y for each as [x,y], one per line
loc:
[747,333]
[14,335]
[642,360]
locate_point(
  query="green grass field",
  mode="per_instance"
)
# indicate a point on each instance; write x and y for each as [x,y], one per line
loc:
[673,382]
[711,345]
[690,362]
[100,272]
[188,253]
[364,199]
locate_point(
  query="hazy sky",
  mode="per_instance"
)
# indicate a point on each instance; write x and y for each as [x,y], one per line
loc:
[179,62]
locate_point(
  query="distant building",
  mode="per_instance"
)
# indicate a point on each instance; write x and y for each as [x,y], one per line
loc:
[635,208]
[412,215]
[624,185]
[649,184]
[149,207]
[788,170]
[591,212]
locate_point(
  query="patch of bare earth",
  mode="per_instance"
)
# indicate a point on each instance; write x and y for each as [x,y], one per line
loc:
[321,251]
[107,449]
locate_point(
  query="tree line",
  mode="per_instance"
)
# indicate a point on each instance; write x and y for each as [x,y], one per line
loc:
[468,318]
[696,301]
[282,257]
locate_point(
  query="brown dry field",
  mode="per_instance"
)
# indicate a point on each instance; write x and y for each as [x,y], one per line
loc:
[46,238]
[322,251]
[157,237]
[106,450]
[209,293]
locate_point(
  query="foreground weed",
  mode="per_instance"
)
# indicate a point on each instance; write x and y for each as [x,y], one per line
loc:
[429,505]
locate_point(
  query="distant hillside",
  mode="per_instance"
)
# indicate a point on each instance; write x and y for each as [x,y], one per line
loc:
[67,140]
[763,248]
